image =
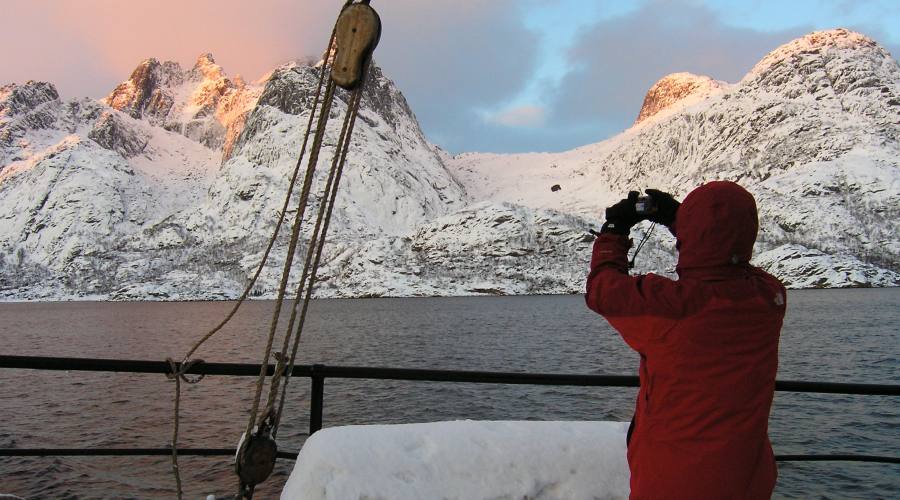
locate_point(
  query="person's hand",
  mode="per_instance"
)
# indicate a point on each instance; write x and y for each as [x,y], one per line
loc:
[621,216]
[666,207]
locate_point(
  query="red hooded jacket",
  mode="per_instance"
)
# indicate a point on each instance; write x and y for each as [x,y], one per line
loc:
[709,352]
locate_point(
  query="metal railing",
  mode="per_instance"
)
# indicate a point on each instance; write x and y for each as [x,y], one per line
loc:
[318,373]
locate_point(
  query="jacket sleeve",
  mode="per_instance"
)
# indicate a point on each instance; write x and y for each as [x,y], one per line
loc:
[642,308]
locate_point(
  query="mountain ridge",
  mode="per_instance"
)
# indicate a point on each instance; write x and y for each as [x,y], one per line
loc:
[168,188]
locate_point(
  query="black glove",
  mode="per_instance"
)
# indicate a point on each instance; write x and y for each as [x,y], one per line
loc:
[621,216]
[666,207]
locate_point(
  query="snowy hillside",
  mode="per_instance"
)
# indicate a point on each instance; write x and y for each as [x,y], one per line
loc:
[813,131]
[170,187]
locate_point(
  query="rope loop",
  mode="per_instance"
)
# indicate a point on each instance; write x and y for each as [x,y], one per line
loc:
[179,370]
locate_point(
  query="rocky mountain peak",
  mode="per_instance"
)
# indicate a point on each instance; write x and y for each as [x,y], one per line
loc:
[146,93]
[820,42]
[677,88]
[202,103]
[15,99]
[826,64]
[291,88]
[206,68]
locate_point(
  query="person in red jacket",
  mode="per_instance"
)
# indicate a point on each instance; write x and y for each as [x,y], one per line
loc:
[708,346]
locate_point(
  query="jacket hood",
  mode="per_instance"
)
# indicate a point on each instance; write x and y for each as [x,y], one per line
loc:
[716,226]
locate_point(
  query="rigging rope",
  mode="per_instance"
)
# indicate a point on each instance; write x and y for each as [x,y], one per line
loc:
[266,424]
[319,240]
[257,445]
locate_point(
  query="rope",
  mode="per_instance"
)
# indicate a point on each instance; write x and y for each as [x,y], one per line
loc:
[178,371]
[179,374]
[304,198]
[292,248]
[320,232]
[267,423]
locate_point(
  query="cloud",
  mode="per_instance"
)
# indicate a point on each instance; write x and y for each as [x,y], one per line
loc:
[452,58]
[522,116]
[617,60]
[36,49]
[449,57]
[109,37]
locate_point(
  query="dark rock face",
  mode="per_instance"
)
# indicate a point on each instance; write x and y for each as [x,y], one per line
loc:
[16,99]
[381,96]
[291,90]
[23,107]
[111,133]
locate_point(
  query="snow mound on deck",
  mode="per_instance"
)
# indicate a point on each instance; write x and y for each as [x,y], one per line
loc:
[464,459]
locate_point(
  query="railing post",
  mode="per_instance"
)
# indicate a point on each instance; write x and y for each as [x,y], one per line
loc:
[317,396]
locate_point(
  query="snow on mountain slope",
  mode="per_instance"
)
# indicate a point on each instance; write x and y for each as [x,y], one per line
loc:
[169,188]
[801,267]
[393,180]
[813,131]
[78,176]
[483,249]
[183,202]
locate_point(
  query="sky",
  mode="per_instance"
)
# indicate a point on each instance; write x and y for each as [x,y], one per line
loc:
[481,75]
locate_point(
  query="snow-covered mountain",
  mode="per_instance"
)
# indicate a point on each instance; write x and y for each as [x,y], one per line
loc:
[813,131]
[171,185]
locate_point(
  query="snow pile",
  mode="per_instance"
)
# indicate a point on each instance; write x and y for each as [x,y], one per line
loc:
[464,459]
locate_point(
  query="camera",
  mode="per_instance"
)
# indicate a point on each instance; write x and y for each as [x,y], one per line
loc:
[645,206]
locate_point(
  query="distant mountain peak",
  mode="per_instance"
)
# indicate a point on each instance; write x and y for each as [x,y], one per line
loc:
[15,99]
[207,68]
[143,94]
[201,103]
[838,60]
[677,91]
[833,38]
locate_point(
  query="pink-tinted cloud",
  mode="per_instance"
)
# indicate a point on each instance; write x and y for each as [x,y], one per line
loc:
[440,42]
[450,57]
[522,116]
[106,37]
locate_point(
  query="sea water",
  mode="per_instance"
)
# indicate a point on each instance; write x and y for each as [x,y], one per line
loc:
[829,335]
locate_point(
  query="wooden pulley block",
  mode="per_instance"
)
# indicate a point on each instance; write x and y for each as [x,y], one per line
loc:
[357,33]
[256,459]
